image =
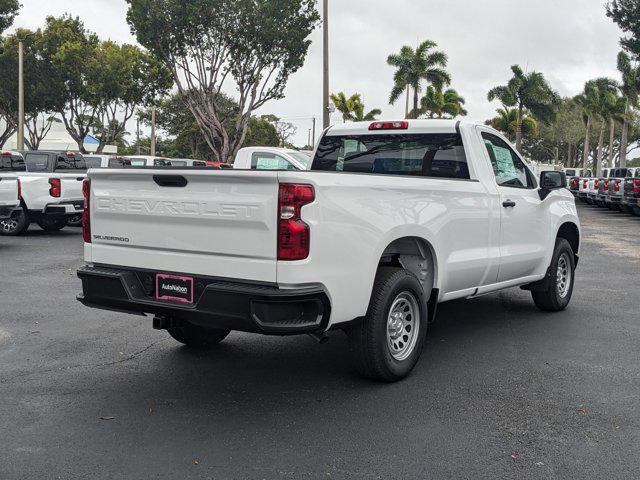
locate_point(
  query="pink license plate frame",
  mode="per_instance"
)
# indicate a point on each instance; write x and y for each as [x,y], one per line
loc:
[175,279]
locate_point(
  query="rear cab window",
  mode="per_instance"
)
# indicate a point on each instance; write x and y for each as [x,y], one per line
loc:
[37,162]
[12,163]
[419,155]
[70,162]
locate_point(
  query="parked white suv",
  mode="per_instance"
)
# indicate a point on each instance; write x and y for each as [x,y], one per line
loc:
[393,218]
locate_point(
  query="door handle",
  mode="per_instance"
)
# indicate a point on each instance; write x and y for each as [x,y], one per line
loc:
[508,204]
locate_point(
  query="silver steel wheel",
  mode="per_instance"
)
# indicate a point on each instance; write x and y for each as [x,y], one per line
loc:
[9,226]
[403,325]
[563,275]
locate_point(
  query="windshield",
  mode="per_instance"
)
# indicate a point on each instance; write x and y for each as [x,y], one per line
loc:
[423,155]
[302,158]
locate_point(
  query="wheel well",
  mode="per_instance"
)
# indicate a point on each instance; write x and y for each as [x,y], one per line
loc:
[415,255]
[569,231]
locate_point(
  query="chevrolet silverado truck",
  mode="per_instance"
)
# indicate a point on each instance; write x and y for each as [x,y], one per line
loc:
[393,218]
[631,193]
[51,190]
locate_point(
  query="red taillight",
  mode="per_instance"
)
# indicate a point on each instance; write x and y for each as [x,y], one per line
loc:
[389,126]
[56,187]
[616,187]
[19,190]
[636,186]
[293,233]
[575,183]
[584,184]
[595,183]
[86,213]
[606,185]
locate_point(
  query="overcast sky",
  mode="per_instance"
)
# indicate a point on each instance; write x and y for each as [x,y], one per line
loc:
[570,41]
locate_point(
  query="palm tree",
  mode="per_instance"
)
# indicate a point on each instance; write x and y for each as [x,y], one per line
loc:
[597,100]
[345,105]
[352,108]
[507,122]
[527,91]
[630,89]
[437,104]
[615,113]
[415,66]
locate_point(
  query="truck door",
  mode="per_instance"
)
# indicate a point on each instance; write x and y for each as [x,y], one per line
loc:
[523,230]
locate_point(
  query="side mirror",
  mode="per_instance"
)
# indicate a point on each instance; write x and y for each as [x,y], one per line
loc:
[551,180]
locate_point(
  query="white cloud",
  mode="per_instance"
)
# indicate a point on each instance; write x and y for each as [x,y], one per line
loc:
[570,41]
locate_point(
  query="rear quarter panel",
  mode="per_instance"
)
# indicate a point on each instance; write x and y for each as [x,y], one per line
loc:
[355,217]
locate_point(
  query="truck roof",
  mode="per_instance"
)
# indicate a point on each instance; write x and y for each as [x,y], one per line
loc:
[414,126]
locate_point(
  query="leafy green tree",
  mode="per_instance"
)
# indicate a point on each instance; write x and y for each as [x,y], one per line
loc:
[352,108]
[439,104]
[8,11]
[614,113]
[630,88]
[41,99]
[507,122]
[416,66]
[257,44]
[125,78]
[626,14]
[261,134]
[72,51]
[527,91]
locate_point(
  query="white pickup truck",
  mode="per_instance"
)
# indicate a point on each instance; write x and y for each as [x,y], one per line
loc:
[51,190]
[271,158]
[393,218]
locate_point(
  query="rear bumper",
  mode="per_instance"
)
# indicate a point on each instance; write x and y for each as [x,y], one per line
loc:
[66,208]
[217,304]
[631,201]
[614,199]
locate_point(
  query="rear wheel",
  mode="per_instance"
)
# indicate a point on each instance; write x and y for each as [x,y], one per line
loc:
[635,211]
[387,344]
[16,225]
[558,293]
[52,224]
[75,221]
[197,337]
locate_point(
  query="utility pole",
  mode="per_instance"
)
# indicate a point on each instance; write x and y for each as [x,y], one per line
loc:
[325,67]
[20,139]
[313,133]
[309,138]
[153,131]
[138,134]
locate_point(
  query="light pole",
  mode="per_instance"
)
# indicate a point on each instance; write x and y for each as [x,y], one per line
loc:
[153,132]
[325,66]
[20,136]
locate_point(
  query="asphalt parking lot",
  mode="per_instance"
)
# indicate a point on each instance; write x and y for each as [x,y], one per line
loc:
[502,390]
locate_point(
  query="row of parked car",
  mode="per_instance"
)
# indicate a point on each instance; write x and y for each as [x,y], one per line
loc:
[45,187]
[616,189]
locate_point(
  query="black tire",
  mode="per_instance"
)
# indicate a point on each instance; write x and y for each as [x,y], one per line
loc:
[635,211]
[75,221]
[370,350]
[194,336]
[52,224]
[551,299]
[625,209]
[16,225]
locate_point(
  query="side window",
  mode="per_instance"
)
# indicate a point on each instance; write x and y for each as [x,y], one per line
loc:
[508,168]
[269,161]
[158,162]
[12,163]
[37,162]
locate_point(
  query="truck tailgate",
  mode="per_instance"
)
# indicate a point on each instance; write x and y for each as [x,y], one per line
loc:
[8,189]
[71,185]
[217,223]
